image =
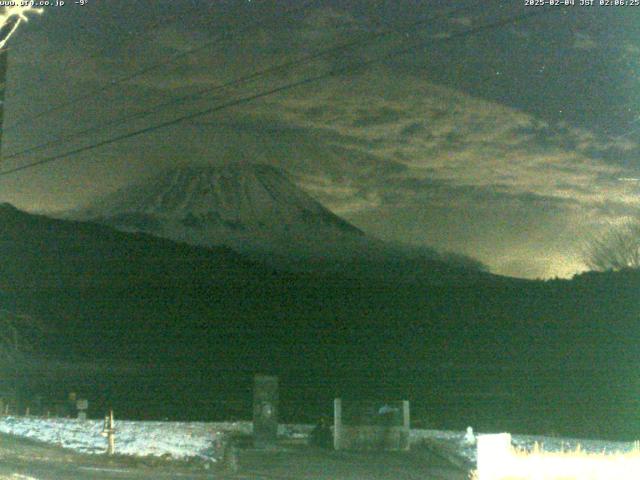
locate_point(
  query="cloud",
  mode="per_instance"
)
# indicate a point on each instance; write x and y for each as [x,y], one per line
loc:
[401,157]
[383,142]
[452,137]
[631,49]
[463,21]
[520,32]
[420,146]
[583,41]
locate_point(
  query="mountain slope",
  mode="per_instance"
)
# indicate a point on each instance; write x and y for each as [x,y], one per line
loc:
[42,253]
[198,323]
[256,210]
[247,207]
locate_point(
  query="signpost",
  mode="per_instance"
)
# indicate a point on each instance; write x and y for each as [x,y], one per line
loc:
[82,405]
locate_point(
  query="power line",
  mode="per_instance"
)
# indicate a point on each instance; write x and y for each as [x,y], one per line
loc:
[141,72]
[232,83]
[289,86]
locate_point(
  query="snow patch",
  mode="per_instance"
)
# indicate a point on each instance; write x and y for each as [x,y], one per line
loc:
[183,440]
[178,440]
[457,441]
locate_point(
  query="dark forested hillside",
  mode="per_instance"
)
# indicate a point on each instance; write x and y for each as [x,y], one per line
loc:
[194,324]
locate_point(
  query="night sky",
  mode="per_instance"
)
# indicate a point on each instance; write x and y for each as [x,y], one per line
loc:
[512,145]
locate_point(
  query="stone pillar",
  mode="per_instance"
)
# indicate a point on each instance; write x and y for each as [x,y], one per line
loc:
[405,434]
[265,411]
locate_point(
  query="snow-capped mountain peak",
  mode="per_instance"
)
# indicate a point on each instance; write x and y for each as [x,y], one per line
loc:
[240,205]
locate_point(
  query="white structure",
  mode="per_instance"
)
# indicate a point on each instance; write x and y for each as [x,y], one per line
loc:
[494,456]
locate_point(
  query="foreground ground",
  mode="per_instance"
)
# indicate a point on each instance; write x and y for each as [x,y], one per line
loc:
[22,459]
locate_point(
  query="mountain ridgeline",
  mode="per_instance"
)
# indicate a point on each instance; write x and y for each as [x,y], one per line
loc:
[257,210]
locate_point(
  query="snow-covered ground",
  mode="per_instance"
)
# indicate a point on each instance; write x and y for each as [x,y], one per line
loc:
[182,440]
[460,442]
[175,439]
[179,440]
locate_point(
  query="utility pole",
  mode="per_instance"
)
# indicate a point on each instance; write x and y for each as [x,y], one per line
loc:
[4,55]
[10,19]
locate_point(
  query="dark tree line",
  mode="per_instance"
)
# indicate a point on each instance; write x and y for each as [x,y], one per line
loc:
[17,334]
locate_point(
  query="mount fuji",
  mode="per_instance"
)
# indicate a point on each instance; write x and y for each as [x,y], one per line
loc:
[254,209]
[249,207]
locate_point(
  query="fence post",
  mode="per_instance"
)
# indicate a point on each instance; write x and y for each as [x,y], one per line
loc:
[109,431]
[337,424]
